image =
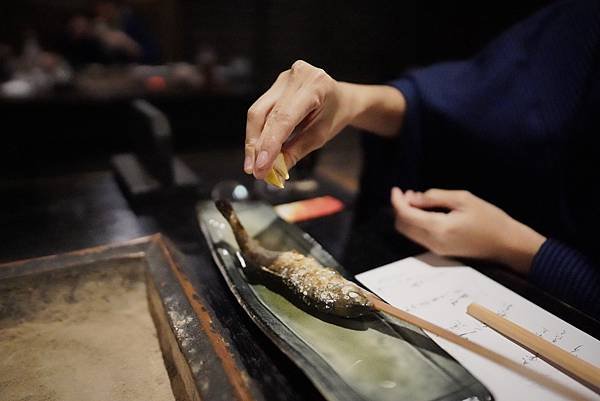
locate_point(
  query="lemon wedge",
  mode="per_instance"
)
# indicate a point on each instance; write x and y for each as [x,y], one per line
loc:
[280,167]
[278,174]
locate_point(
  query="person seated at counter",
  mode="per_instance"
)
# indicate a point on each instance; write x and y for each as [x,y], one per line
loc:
[493,158]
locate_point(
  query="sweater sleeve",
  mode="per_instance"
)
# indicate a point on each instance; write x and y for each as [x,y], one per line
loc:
[567,273]
[513,100]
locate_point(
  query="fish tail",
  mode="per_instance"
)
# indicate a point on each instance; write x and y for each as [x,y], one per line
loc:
[249,247]
[225,208]
[241,235]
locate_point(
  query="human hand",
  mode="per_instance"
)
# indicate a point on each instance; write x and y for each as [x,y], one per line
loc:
[472,227]
[118,40]
[305,101]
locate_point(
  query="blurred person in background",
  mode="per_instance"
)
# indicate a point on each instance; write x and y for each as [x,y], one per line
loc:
[517,125]
[113,34]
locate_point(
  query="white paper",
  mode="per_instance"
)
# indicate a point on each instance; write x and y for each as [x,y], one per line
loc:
[439,290]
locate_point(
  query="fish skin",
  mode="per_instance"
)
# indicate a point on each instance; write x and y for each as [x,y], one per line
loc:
[319,287]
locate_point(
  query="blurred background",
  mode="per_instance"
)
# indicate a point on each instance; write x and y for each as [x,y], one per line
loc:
[69,69]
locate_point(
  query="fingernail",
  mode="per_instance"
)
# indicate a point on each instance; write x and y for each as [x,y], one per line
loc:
[261,161]
[248,165]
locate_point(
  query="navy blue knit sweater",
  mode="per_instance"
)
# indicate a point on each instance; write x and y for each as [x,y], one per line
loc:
[519,125]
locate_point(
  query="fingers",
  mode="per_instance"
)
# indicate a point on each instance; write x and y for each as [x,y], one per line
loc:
[289,111]
[304,93]
[281,121]
[257,114]
[411,221]
[438,198]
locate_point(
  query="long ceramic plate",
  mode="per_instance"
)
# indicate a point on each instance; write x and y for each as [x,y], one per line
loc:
[371,358]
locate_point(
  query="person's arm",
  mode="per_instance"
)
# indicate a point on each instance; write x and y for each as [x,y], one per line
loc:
[118,41]
[305,108]
[377,109]
[473,228]
[458,223]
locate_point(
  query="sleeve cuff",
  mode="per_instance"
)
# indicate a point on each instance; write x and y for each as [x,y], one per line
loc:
[567,274]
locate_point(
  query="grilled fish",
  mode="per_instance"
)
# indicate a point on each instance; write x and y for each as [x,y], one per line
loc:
[319,287]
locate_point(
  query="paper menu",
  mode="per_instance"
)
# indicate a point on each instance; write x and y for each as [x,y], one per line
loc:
[439,290]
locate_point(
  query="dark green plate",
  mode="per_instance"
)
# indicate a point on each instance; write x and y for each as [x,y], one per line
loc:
[371,358]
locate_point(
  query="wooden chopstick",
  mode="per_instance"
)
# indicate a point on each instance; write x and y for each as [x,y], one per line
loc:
[478,349]
[584,372]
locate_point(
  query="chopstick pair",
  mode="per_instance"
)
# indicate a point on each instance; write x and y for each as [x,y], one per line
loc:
[584,372]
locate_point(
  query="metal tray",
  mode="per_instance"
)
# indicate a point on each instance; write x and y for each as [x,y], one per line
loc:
[197,360]
[371,358]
